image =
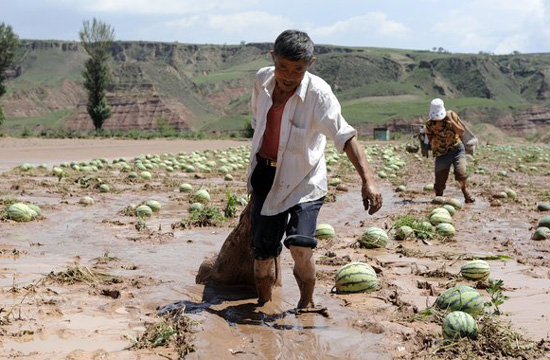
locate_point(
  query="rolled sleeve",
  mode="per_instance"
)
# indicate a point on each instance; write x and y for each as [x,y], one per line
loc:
[332,123]
[342,137]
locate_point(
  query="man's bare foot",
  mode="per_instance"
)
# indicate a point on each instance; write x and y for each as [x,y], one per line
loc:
[468,199]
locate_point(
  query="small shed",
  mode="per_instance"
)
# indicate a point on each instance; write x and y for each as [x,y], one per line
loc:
[381,133]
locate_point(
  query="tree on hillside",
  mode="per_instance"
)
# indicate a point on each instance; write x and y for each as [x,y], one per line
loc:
[8,45]
[97,38]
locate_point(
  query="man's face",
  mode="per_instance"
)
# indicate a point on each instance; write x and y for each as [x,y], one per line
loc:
[289,74]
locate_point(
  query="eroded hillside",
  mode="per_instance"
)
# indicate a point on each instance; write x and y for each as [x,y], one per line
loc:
[207,87]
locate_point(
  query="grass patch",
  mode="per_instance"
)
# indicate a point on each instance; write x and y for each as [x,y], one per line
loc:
[171,329]
[82,275]
[421,231]
[208,216]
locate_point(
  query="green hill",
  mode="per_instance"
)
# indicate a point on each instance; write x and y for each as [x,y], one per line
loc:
[207,87]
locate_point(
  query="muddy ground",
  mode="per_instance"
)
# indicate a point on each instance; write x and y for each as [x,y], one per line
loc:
[131,269]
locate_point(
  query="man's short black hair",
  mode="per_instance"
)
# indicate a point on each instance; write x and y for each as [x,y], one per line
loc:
[294,45]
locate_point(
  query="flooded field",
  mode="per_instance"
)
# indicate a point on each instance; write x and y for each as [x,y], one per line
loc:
[92,281]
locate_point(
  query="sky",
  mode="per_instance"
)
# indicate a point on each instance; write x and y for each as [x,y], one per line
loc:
[458,26]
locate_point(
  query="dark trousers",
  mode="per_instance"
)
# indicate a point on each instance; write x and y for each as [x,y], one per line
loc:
[268,231]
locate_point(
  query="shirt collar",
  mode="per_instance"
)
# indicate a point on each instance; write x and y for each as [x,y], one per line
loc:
[301,90]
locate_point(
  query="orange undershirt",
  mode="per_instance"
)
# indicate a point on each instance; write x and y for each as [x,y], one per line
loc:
[270,143]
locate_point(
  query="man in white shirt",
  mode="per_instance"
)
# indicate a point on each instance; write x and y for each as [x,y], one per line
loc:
[293,111]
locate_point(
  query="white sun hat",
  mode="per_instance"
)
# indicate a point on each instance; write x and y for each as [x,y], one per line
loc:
[437,110]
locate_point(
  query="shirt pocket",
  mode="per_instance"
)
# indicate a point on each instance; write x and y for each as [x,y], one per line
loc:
[297,140]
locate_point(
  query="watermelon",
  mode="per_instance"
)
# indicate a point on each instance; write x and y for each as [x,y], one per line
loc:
[146,175]
[423,230]
[132,175]
[511,193]
[35,209]
[445,230]
[144,211]
[382,174]
[154,205]
[542,233]
[401,188]
[202,196]
[440,210]
[324,231]
[228,177]
[544,222]
[428,187]
[186,188]
[335,182]
[441,217]
[453,202]
[462,298]
[439,200]
[20,212]
[86,200]
[373,237]
[459,324]
[356,277]
[104,188]
[195,207]
[451,209]
[543,207]
[475,270]
[404,232]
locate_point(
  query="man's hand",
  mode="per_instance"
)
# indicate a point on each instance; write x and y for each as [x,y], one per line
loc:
[372,199]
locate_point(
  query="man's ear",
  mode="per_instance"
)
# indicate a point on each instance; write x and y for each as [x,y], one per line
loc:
[311,62]
[272,55]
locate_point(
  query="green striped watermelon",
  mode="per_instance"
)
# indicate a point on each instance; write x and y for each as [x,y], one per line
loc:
[356,277]
[324,231]
[104,188]
[459,324]
[445,230]
[451,209]
[511,193]
[144,211]
[461,297]
[404,232]
[475,270]
[195,207]
[543,207]
[453,202]
[202,196]
[36,209]
[20,212]
[441,217]
[146,175]
[154,205]
[439,200]
[373,237]
[186,188]
[440,210]
[542,233]
[544,222]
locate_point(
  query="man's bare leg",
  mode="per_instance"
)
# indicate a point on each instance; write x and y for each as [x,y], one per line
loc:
[264,279]
[304,272]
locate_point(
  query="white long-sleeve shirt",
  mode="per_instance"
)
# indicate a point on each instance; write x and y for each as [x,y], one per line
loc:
[310,115]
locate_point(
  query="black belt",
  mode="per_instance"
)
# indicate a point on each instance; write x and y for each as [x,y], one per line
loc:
[266,162]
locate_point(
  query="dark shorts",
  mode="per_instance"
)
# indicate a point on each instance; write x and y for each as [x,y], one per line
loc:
[268,231]
[443,163]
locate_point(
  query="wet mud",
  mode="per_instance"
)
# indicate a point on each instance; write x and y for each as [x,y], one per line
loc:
[155,267]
